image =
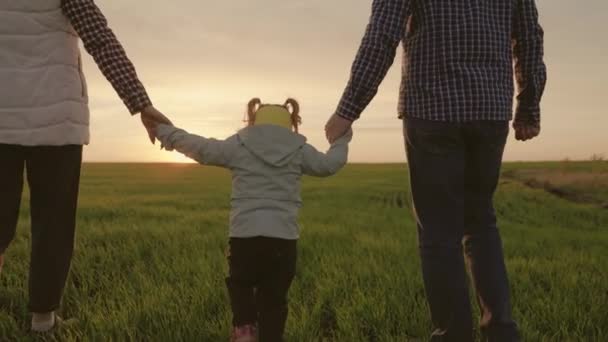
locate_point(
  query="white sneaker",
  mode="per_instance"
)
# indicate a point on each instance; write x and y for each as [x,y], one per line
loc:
[44,322]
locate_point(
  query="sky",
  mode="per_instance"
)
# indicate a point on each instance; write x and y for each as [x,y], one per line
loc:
[201,61]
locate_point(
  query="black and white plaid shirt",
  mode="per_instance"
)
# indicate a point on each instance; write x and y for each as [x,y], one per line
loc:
[101,43]
[458,59]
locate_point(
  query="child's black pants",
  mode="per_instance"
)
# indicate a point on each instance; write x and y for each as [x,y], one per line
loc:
[261,272]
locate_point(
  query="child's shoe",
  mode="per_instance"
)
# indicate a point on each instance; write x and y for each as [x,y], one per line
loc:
[244,333]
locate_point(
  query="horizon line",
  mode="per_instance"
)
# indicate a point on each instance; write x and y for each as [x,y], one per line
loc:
[589,160]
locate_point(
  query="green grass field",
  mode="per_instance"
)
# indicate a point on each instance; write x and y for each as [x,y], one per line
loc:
[150,256]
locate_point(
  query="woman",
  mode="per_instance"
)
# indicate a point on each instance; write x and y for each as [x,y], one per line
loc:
[44,122]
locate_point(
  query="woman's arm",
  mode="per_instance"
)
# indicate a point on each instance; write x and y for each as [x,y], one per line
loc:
[101,43]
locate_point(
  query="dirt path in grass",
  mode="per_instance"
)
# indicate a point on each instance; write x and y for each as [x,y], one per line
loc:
[579,186]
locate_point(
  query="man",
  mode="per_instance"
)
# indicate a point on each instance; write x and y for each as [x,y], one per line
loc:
[456,101]
[44,119]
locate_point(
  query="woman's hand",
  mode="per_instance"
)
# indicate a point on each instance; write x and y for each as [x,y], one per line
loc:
[150,118]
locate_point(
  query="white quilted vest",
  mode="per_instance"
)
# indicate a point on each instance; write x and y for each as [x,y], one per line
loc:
[43,96]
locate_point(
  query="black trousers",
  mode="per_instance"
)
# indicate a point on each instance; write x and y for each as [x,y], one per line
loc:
[261,272]
[53,176]
[454,171]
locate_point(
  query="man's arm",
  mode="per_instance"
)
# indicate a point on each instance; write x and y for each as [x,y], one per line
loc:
[530,69]
[101,43]
[315,163]
[376,55]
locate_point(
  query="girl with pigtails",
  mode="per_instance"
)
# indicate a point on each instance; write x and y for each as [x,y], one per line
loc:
[267,159]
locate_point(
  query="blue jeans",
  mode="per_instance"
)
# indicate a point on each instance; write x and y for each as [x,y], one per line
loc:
[454,171]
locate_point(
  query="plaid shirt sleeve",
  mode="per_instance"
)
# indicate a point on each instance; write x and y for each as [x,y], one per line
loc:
[101,43]
[530,70]
[376,55]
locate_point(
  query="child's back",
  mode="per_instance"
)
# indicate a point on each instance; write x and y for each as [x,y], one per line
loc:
[267,162]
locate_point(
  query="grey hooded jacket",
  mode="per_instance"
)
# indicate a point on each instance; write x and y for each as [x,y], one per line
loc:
[267,163]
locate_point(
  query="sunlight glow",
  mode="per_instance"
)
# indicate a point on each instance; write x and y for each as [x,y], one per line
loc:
[203,71]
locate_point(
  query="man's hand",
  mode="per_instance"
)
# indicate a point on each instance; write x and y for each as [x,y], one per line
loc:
[336,127]
[150,118]
[526,131]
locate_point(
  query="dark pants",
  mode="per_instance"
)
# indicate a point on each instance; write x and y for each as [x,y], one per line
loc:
[53,175]
[454,171]
[261,272]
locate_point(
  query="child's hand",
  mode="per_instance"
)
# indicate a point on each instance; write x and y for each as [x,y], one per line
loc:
[151,118]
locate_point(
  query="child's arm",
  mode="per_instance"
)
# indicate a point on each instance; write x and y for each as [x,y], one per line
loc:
[320,164]
[203,150]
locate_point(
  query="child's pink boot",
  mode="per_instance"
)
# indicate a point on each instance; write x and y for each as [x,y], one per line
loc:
[244,333]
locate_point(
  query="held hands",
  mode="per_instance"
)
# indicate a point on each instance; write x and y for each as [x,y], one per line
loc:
[336,127]
[151,118]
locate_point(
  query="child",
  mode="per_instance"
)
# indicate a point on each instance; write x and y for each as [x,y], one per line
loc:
[267,160]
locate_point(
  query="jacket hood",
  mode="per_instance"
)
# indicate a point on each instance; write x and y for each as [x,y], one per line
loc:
[274,145]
